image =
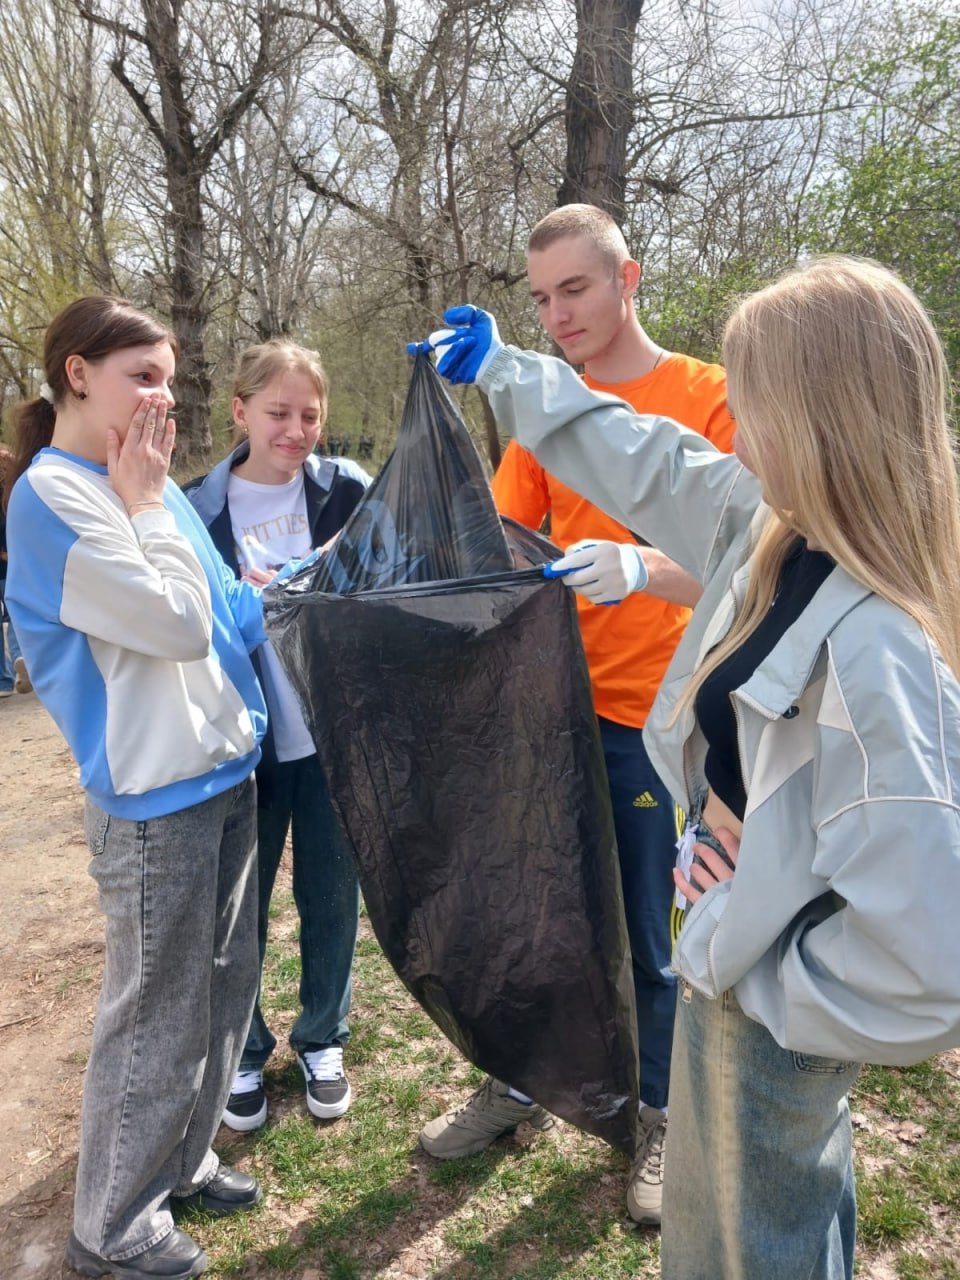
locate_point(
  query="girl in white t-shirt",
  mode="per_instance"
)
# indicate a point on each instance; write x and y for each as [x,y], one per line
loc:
[273,499]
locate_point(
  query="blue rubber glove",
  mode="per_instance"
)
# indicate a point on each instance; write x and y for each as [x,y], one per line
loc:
[603,572]
[466,347]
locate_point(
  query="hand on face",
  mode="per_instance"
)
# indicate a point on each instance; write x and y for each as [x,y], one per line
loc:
[138,467]
[714,869]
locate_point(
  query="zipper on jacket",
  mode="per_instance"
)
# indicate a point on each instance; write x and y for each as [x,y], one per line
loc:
[711,969]
[738,598]
[736,727]
[686,988]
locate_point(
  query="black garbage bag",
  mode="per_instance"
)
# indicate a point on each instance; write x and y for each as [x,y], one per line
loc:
[429,515]
[455,724]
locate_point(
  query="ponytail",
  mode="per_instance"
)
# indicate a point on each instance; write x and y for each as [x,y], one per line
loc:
[34,422]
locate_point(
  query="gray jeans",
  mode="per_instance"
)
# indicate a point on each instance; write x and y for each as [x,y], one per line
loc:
[179,894]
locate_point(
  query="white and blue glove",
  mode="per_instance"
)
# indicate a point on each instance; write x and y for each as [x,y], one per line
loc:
[466,347]
[604,572]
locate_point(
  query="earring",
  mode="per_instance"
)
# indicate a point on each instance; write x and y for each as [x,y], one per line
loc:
[81,395]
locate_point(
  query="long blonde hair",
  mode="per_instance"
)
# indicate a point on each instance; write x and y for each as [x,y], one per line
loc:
[840,391]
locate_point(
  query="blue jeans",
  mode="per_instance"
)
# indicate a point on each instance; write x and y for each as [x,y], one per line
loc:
[645,819]
[13,644]
[8,643]
[179,897]
[759,1170]
[327,894]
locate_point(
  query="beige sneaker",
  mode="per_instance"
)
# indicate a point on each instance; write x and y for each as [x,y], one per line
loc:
[486,1115]
[22,683]
[645,1188]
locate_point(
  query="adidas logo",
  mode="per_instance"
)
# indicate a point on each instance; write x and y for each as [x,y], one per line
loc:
[645,801]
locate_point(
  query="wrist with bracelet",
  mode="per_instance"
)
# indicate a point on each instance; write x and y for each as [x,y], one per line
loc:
[153,503]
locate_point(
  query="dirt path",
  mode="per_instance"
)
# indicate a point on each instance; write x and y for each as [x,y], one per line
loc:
[50,961]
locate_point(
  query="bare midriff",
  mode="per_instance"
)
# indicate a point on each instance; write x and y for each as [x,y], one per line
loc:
[719,816]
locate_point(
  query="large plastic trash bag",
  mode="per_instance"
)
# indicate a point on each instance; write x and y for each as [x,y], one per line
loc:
[455,724]
[429,515]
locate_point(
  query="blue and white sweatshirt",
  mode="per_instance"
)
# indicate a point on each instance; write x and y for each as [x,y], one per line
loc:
[137,638]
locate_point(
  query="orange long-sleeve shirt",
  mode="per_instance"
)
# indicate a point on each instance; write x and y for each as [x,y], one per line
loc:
[629,645]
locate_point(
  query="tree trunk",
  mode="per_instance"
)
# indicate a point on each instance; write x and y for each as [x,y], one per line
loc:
[600,105]
[189,313]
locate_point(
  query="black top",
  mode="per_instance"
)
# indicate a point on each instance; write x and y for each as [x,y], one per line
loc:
[803,573]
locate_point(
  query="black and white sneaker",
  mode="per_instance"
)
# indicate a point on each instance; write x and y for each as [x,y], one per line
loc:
[328,1090]
[246,1107]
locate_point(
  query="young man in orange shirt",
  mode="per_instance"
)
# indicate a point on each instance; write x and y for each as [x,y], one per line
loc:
[583,282]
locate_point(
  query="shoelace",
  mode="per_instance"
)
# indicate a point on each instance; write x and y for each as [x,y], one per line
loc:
[325,1064]
[247,1082]
[649,1162]
[483,1094]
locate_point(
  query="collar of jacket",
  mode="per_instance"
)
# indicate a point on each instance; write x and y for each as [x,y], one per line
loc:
[782,677]
[209,497]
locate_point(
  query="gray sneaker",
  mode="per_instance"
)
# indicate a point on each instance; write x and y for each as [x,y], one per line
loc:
[645,1188]
[486,1115]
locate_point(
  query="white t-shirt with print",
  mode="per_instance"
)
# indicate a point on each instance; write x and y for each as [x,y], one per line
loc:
[269,528]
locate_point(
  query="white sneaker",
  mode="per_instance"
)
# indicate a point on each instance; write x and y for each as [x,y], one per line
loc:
[328,1090]
[246,1107]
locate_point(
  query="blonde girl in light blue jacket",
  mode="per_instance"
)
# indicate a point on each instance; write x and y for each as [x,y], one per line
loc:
[809,724]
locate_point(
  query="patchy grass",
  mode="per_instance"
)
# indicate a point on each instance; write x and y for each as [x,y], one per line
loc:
[907,1123]
[357,1199]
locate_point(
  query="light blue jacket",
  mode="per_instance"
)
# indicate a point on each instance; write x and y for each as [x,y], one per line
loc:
[136,636]
[838,931]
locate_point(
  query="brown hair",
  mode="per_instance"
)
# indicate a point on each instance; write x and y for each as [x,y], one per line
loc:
[6,472]
[92,327]
[587,220]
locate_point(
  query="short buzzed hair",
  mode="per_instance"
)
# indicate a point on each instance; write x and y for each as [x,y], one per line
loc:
[587,220]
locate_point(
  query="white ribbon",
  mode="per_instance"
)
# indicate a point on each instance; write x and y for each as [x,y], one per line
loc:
[685,859]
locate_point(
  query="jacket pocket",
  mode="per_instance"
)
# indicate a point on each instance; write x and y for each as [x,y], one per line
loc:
[692,961]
